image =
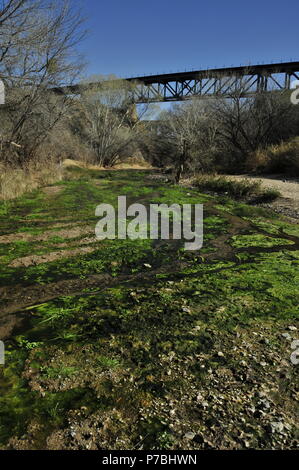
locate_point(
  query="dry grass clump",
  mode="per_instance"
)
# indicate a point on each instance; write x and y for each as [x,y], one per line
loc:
[70,163]
[282,158]
[136,162]
[48,166]
[16,181]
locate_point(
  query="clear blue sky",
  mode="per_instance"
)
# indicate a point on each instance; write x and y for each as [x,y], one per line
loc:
[130,37]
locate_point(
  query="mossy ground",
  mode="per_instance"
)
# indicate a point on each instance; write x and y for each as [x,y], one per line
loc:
[138,343]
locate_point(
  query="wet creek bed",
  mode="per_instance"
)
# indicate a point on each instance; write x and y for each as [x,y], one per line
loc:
[138,343]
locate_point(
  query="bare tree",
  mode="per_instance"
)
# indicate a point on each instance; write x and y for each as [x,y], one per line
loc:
[187,133]
[108,120]
[221,133]
[246,124]
[39,39]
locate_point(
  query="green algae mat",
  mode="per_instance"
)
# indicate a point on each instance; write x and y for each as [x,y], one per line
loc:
[138,344]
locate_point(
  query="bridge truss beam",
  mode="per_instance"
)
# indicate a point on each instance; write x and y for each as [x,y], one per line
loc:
[212,83]
[215,82]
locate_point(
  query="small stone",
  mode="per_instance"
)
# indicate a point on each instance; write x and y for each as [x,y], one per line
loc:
[266,341]
[186,309]
[264,403]
[276,426]
[287,336]
[190,436]
[292,328]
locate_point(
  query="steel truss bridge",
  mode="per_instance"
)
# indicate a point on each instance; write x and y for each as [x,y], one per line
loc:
[220,82]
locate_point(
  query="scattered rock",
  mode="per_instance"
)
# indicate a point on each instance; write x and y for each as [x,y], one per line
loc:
[287,336]
[276,426]
[186,309]
[190,436]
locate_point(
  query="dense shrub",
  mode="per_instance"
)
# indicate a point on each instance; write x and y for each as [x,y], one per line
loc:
[237,189]
[282,158]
